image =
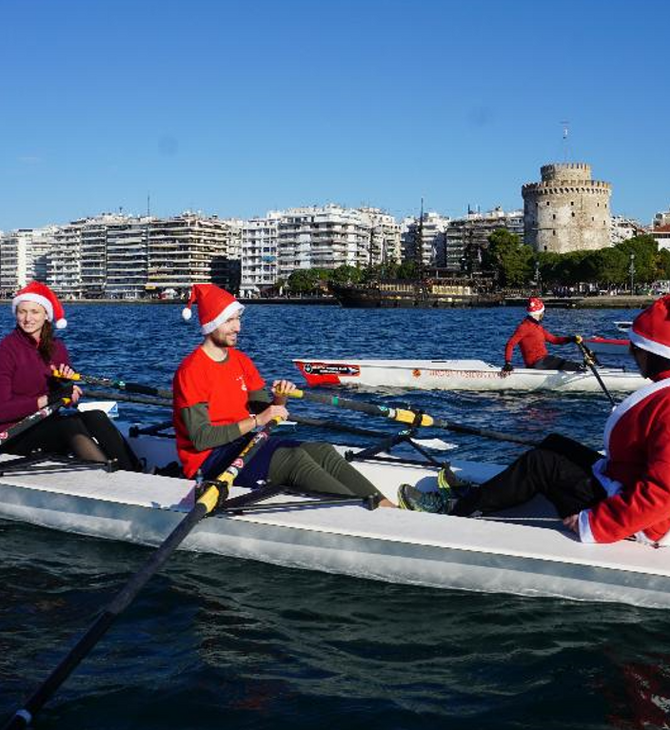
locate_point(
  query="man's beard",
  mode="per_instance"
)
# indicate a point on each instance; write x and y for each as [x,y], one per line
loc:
[223,340]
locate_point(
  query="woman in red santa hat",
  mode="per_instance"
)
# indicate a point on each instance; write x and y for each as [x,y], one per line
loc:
[220,398]
[28,357]
[531,336]
[624,494]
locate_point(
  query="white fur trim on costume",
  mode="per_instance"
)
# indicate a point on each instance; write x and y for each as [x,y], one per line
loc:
[650,345]
[186,313]
[37,298]
[585,534]
[632,400]
[232,309]
[536,315]
[611,486]
[61,323]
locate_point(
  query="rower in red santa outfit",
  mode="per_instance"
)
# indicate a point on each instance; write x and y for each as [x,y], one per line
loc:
[624,494]
[530,335]
[220,398]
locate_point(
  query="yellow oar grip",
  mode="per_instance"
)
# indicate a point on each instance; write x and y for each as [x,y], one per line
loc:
[210,498]
[59,374]
[295,393]
[410,417]
[578,339]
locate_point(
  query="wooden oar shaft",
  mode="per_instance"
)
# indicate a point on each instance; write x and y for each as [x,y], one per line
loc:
[407,416]
[204,506]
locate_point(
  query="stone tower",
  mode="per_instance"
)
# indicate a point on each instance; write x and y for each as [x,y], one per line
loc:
[567,211]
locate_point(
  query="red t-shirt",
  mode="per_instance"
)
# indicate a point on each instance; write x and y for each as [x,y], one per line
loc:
[223,386]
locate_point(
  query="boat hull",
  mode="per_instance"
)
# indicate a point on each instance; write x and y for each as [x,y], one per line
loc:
[516,554]
[475,375]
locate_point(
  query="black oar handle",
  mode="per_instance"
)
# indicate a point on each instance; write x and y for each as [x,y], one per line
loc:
[590,362]
[57,400]
[117,384]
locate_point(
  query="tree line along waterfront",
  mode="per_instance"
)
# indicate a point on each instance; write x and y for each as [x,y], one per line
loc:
[633,267]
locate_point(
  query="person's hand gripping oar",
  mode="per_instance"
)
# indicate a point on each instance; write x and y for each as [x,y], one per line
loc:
[590,361]
[215,493]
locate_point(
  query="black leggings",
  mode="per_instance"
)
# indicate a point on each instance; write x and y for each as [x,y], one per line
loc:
[317,467]
[559,468]
[72,434]
[552,362]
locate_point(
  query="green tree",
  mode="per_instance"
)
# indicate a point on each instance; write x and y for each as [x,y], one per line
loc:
[512,260]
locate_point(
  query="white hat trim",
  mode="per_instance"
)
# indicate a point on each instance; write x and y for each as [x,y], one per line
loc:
[650,345]
[536,313]
[233,308]
[32,297]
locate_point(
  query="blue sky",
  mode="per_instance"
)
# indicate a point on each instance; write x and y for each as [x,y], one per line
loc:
[238,107]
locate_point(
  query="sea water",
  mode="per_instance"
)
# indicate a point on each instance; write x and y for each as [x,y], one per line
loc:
[222,643]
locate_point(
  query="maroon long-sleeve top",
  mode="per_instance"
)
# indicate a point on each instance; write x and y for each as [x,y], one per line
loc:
[24,376]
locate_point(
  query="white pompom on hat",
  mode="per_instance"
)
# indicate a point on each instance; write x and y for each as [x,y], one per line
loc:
[215,306]
[41,294]
[651,328]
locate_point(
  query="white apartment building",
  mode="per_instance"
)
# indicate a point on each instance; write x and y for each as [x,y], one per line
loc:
[191,248]
[622,228]
[23,257]
[661,219]
[431,233]
[259,254]
[331,236]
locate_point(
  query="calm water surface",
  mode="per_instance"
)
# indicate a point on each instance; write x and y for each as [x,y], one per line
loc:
[215,642]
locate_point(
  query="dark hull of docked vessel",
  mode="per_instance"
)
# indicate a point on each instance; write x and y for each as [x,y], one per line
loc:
[414,294]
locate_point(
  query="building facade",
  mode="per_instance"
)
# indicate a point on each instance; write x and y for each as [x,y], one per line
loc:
[567,210]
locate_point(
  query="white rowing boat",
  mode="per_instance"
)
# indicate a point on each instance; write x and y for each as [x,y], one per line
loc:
[524,552]
[460,375]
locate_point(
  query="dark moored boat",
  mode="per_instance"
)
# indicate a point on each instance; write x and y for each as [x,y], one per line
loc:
[438,293]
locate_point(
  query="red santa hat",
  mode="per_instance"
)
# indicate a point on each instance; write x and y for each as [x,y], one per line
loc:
[215,306]
[651,329]
[535,306]
[41,294]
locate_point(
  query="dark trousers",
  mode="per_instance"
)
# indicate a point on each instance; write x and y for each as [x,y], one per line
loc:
[57,434]
[559,468]
[552,362]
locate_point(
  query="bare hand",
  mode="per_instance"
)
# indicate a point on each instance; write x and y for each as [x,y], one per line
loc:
[42,402]
[572,523]
[64,371]
[76,394]
[279,390]
[271,412]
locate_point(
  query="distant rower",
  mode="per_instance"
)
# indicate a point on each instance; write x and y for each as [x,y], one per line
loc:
[530,335]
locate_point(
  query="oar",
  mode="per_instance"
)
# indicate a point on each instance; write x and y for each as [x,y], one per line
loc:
[57,400]
[407,416]
[117,384]
[589,359]
[203,507]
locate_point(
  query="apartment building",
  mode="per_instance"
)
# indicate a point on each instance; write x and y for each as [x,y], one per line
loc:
[465,237]
[23,257]
[428,231]
[259,254]
[332,236]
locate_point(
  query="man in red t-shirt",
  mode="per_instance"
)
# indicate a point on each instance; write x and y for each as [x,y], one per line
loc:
[530,335]
[219,399]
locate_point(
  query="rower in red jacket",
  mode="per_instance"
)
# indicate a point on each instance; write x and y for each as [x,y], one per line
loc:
[530,335]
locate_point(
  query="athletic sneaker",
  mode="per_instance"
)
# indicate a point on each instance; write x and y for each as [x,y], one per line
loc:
[410,497]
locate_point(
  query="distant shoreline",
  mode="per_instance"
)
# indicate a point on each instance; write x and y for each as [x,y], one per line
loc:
[624,301]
